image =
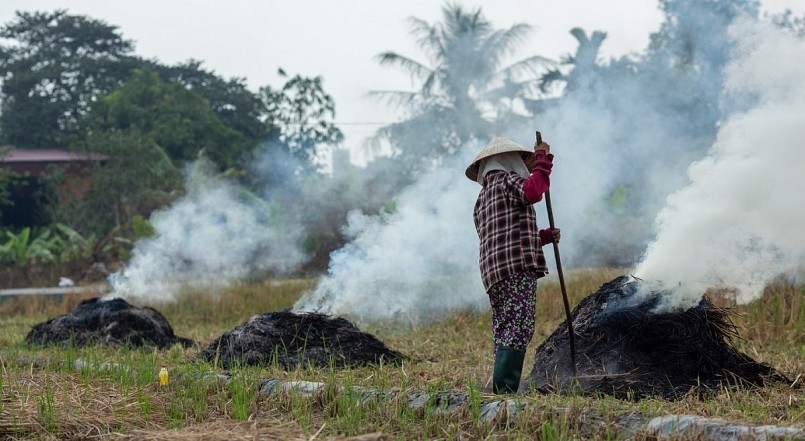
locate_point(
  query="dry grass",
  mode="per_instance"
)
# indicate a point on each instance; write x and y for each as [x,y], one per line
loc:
[42,396]
[267,426]
[36,402]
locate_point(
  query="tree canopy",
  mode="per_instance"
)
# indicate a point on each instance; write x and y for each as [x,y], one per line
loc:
[231,101]
[178,120]
[304,114]
[58,66]
[71,81]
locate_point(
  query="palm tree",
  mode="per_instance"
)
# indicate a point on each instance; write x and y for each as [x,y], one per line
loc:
[465,91]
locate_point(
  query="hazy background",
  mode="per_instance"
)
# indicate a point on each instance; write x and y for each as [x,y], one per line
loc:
[657,168]
[336,40]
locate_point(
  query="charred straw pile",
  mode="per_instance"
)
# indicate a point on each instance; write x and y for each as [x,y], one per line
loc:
[289,339]
[113,322]
[625,349]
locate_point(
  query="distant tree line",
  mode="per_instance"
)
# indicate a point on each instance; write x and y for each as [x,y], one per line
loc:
[74,82]
[58,71]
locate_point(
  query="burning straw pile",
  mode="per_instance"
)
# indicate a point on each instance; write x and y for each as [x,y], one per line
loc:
[626,350]
[288,339]
[113,322]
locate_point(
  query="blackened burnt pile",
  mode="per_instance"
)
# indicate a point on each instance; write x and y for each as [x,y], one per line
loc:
[114,322]
[626,350]
[290,339]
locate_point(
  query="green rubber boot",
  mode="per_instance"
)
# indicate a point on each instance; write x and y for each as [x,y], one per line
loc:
[508,369]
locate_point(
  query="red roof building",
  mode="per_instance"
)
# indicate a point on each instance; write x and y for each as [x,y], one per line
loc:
[34,162]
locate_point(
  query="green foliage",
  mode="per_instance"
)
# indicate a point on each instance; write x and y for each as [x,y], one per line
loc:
[71,81]
[20,249]
[140,227]
[56,65]
[46,408]
[230,100]
[244,391]
[51,69]
[178,120]
[55,244]
[303,111]
[75,246]
[136,178]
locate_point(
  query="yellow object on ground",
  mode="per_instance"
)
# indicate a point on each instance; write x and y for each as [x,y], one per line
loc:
[163,376]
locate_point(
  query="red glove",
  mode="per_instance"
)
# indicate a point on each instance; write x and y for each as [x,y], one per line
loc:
[547,236]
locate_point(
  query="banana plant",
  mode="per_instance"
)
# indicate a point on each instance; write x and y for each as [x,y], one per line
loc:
[73,244]
[19,249]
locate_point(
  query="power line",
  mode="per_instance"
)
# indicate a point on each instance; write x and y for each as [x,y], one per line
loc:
[356,123]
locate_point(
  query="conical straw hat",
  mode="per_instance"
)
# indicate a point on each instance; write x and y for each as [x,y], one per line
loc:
[497,145]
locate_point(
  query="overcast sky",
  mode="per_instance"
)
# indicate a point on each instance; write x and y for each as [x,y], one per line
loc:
[340,39]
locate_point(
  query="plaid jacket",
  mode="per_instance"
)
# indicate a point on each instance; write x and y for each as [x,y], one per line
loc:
[507,228]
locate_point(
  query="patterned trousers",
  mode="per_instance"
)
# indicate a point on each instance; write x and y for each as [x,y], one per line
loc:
[514,301]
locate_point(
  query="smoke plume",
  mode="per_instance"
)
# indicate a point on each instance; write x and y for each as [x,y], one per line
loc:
[623,137]
[216,235]
[418,263]
[738,224]
[624,133]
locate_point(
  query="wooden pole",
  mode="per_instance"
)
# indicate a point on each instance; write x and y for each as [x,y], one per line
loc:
[561,276]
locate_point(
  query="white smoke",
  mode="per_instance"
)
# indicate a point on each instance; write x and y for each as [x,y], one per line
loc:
[419,262]
[216,235]
[739,223]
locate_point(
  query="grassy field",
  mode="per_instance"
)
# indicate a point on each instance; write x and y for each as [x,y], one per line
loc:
[115,394]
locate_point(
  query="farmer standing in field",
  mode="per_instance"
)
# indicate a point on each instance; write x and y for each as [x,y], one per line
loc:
[512,179]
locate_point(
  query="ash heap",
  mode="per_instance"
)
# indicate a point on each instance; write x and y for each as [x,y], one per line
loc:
[114,322]
[288,339]
[625,349]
